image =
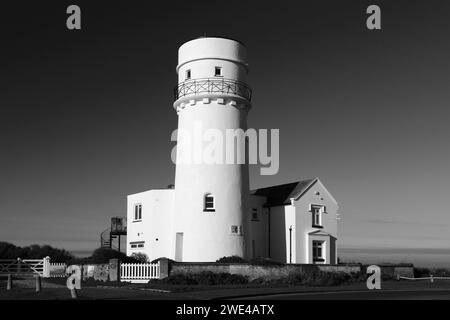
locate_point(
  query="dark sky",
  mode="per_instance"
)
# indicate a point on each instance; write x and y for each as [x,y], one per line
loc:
[86,116]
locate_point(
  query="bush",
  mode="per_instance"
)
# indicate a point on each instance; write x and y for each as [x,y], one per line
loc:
[265,262]
[358,277]
[293,279]
[310,277]
[210,278]
[385,276]
[206,278]
[231,259]
[158,259]
[180,279]
[315,277]
[440,272]
[10,251]
[425,272]
[421,272]
[140,257]
[103,255]
[331,279]
[309,274]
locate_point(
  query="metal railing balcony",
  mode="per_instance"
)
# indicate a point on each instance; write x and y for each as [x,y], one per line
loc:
[213,85]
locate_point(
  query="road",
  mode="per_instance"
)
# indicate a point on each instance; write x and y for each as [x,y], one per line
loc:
[427,294]
[391,290]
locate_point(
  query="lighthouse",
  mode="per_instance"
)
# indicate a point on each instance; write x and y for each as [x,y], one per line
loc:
[212,95]
[210,213]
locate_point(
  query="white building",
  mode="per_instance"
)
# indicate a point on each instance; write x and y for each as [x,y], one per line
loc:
[211,213]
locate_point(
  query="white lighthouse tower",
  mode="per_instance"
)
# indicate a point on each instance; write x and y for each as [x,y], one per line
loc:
[211,213]
[210,198]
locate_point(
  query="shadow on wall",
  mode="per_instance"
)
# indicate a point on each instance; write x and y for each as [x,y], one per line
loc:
[277,231]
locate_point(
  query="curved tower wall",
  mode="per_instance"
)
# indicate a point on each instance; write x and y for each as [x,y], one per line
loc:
[210,101]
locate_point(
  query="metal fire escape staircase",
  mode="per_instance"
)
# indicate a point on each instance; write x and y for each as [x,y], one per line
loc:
[106,239]
[118,228]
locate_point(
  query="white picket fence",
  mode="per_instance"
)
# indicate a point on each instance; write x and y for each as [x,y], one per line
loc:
[139,272]
[129,272]
[57,270]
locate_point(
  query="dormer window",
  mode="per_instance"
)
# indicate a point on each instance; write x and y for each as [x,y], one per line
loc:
[208,205]
[188,74]
[218,72]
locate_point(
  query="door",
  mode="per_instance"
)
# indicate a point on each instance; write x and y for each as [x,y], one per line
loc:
[179,247]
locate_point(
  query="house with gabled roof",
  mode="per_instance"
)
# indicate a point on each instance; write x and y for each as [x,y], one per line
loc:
[293,223]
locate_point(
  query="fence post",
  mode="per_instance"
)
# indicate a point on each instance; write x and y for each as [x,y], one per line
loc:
[38,283]
[163,266]
[114,270]
[46,271]
[19,262]
[9,283]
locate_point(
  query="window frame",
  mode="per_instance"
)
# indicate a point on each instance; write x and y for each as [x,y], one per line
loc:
[135,245]
[255,214]
[137,214]
[218,68]
[316,246]
[206,207]
[239,230]
[316,211]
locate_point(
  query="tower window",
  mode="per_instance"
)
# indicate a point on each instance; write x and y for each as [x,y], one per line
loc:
[209,203]
[218,71]
[188,74]
[137,212]
[236,230]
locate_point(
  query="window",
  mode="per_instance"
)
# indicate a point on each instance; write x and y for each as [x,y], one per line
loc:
[188,74]
[316,216]
[218,71]
[236,230]
[255,214]
[137,212]
[318,251]
[137,245]
[209,203]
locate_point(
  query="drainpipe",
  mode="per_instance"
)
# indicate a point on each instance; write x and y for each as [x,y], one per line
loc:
[268,227]
[290,244]
[290,233]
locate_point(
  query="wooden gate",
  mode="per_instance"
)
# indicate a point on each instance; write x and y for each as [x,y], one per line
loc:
[27,267]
